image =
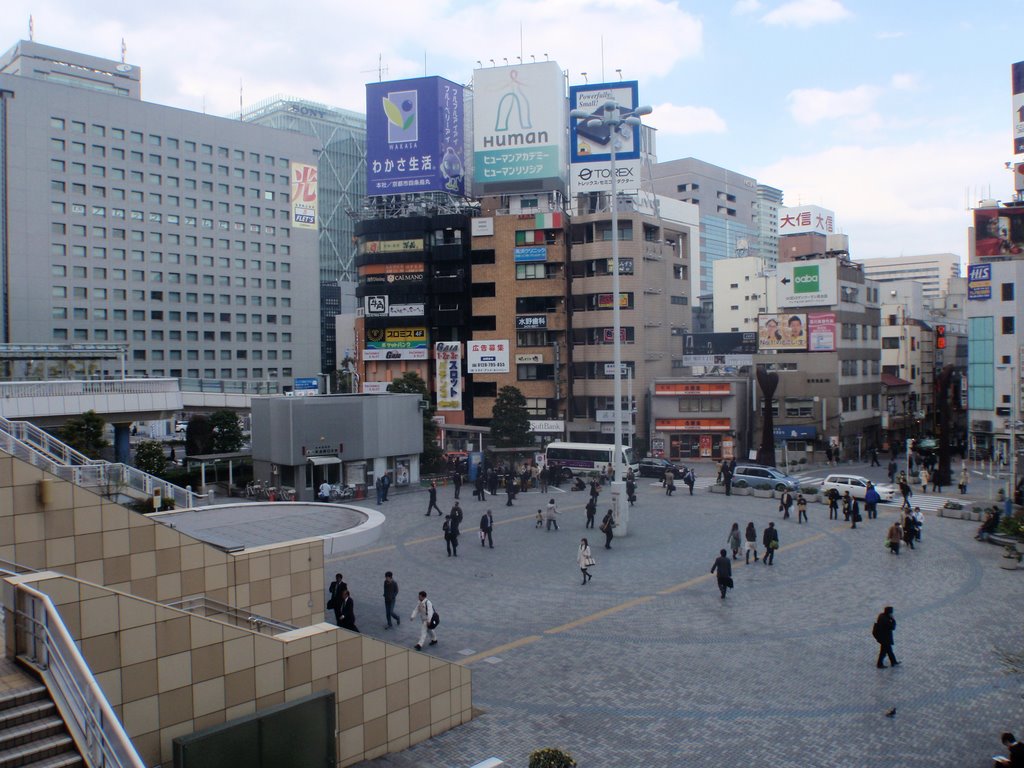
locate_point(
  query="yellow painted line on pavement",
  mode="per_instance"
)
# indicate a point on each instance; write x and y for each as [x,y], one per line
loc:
[599,615]
[499,649]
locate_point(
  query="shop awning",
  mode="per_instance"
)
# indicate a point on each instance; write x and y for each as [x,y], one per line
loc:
[319,461]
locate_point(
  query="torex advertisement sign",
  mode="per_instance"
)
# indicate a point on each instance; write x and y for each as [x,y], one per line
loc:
[590,146]
[519,128]
[414,137]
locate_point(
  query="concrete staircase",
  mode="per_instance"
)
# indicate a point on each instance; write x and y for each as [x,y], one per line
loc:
[32,732]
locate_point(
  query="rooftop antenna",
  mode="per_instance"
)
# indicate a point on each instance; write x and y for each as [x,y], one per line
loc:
[124,51]
[31,28]
[534,57]
[520,42]
[381,69]
[479,63]
[620,74]
[241,109]
[546,57]
[602,58]
[584,77]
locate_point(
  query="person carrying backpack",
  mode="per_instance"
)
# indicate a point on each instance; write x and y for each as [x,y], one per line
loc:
[428,620]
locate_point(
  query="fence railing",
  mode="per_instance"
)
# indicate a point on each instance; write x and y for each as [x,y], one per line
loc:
[201,605]
[74,387]
[40,635]
[44,442]
[230,386]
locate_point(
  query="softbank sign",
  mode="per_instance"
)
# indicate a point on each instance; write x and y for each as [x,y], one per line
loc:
[803,284]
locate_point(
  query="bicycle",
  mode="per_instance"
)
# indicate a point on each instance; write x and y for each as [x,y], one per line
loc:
[255,489]
[342,492]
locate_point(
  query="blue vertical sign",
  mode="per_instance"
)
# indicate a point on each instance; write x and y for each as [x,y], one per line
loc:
[414,137]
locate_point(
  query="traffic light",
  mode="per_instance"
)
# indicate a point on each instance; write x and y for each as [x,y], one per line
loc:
[940,337]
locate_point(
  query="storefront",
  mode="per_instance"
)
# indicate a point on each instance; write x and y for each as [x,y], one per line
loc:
[698,420]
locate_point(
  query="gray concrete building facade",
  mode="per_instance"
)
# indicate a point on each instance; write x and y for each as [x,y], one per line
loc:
[138,223]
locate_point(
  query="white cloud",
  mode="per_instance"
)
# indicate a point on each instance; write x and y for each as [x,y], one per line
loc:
[678,120]
[812,105]
[744,7]
[890,35]
[806,13]
[903,81]
[886,210]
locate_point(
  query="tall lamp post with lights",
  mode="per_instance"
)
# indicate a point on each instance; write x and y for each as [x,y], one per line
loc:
[614,116]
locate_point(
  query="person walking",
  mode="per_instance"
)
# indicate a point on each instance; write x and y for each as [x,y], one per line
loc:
[908,526]
[918,522]
[451,536]
[801,509]
[591,510]
[690,479]
[510,489]
[727,479]
[457,481]
[456,513]
[723,569]
[828,454]
[906,491]
[770,539]
[874,457]
[785,504]
[734,540]
[892,470]
[486,527]
[894,536]
[936,481]
[478,485]
[324,494]
[432,500]
[669,481]
[630,490]
[424,611]
[607,526]
[833,503]
[543,479]
[550,514]
[925,476]
[964,477]
[882,631]
[854,513]
[492,481]
[751,538]
[846,506]
[336,588]
[385,485]
[585,560]
[348,613]
[390,597]
[378,486]
[871,499]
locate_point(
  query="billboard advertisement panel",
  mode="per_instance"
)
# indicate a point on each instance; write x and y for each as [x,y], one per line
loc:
[998,231]
[782,331]
[807,283]
[304,193]
[397,338]
[487,356]
[590,146]
[448,359]
[979,282]
[392,274]
[821,332]
[730,349]
[519,128]
[374,355]
[1017,79]
[799,219]
[414,137]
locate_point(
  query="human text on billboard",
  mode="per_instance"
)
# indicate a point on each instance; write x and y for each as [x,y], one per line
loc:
[448,359]
[782,331]
[807,283]
[590,145]
[304,196]
[821,332]
[979,282]
[487,356]
[414,137]
[519,119]
[806,218]
[397,338]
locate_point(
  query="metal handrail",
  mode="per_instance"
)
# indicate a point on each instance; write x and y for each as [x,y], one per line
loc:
[29,433]
[201,605]
[72,387]
[42,636]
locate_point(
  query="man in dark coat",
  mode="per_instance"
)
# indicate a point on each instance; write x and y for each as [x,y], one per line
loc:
[432,501]
[336,588]
[770,539]
[486,526]
[724,569]
[883,630]
[348,613]
[457,481]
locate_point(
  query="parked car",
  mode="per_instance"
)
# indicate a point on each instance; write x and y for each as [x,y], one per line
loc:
[756,474]
[857,486]
[658,467]
[181,425]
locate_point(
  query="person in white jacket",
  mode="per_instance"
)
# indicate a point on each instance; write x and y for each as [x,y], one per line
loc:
[585,560]
[424,610]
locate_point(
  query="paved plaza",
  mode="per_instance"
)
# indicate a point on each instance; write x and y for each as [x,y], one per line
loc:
[647,666]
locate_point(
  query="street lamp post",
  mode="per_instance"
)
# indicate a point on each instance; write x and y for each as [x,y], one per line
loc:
[614,116]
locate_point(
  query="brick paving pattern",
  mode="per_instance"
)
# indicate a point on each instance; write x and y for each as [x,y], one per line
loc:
[780,673]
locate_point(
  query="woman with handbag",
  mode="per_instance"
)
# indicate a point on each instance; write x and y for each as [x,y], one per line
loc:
[585,560]
[734,540]
[607,524]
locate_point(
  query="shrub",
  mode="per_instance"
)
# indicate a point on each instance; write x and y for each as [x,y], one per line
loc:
[808,489]
[740,484]
[802,461]
[1012,526]
[551,757]
[763,487]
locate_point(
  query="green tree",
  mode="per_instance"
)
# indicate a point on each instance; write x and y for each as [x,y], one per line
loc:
[85,433]
[227,432]
[149,457]
[198,436]
[413,383]
[344,377]
[510,421]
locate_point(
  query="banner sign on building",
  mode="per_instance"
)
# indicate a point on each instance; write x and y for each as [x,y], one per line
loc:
[392,274]
[448,359]
[794,433]
[605,301]
[821,332]
[534,359]
[998,231]
[783,331]
[375,306]
[519,128]
[487,356]
[374,355]
[807,283]
[406,245]
[406,310]
[531,322]
[979,282]
[397,338]
[482,226]
[590,146]
[806,218]
[532,253]
[414,137]
[306,386]
[304,194]
[732,350]
[1017,78]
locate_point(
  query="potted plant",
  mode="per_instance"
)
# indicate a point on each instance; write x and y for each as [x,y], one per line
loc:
[741,488]
[763,490]
[810,493]
[551,757]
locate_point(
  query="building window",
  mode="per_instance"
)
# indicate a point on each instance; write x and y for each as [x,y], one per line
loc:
[1008,323]
[1007,291]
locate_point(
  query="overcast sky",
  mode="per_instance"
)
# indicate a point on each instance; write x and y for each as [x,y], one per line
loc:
[896,115]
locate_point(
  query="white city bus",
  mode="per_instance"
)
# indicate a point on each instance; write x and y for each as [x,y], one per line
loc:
[568,459]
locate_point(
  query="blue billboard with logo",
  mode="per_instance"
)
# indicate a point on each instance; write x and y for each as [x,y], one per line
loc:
[414,137]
